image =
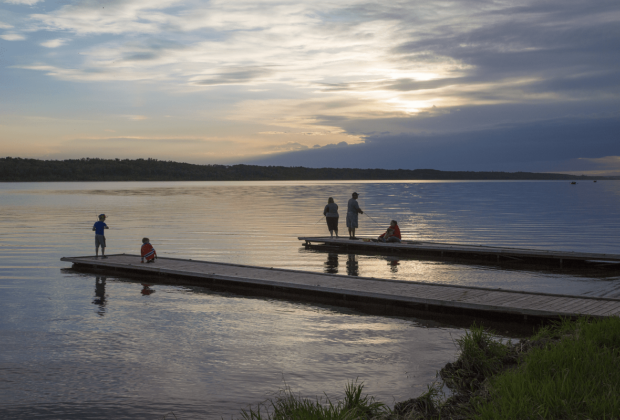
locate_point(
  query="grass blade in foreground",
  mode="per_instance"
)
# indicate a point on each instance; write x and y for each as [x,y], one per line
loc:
[289,406]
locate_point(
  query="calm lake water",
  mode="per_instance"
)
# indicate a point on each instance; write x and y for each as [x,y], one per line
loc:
[78,346]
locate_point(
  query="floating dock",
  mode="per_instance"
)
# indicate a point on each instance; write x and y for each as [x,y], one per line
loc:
[492,253]
[390,297]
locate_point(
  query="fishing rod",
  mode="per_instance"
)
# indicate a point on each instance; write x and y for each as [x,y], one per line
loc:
[372,219]
[319,220]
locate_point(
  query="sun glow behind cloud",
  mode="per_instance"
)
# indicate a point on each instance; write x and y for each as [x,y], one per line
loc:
[263,77]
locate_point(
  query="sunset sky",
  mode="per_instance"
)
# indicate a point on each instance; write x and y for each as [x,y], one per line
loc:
[464,85]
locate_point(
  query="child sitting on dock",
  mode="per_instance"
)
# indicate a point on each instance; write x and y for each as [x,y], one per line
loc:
[392,234]
[147,251]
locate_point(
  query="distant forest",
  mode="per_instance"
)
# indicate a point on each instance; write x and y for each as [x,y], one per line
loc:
[86,169]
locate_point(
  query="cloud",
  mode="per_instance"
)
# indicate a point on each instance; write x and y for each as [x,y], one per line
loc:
[405,57]
[343,64]
[89,75]
[54,43]
[233,76]
[26,2]
[198,150]
[13,37]
[603,165]
[5,26]
[341,71]
[121,16]
[274,132]
[285,147]
[301,133]
[542,146]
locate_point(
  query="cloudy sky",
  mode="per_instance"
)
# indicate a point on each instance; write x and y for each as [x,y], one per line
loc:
[466,85]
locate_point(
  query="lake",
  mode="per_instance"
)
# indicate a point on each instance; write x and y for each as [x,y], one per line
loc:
[85,346]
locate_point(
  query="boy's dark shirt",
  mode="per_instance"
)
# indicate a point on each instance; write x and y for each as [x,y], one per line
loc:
[99,226]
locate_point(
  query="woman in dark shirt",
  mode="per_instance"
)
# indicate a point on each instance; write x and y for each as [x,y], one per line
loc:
[331,215]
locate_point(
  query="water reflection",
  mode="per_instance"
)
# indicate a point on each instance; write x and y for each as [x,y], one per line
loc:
[331,265]
[246,344]
[353,268]
[393,263]
[146,289]
[100,298]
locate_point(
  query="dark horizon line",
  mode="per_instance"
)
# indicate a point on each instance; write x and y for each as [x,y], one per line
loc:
[150,169]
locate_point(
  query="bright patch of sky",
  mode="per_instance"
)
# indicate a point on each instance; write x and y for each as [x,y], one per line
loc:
[234,81]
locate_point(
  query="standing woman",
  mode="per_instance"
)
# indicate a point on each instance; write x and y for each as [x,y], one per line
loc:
[331,215]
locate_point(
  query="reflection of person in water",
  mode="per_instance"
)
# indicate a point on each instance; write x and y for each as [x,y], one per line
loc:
[146,289]
[100,294]
[331,265]
[352,266]
[394,265]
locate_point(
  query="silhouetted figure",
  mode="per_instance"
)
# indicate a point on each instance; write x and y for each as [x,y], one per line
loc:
[392,234]
[99,228]
[147,251]
[353,208]
[331,265]
[352,266]
[331,215]
[99,299]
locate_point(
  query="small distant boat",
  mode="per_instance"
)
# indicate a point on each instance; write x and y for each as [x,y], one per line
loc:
[573,183]
[595,180]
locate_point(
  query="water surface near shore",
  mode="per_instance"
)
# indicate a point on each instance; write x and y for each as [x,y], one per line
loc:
[83,346]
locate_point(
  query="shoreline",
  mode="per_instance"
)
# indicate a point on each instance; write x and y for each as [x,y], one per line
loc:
[536,377]
[88,170]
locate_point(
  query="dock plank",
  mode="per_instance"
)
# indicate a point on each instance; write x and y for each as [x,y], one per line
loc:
[540,255]
[586,306]
[559,303]
[537,302]
[494,298]
[604,309]
[570,304]
[364,289]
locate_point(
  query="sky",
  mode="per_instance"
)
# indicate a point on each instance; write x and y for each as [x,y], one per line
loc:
[529,85]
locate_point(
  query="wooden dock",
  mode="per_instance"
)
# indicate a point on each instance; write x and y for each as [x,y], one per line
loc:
[492,253]
[392,297]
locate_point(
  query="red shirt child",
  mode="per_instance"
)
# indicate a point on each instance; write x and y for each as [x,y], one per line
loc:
[393,226]
[147,251]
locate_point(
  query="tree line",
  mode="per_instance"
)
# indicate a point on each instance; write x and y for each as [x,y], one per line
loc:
[87,169]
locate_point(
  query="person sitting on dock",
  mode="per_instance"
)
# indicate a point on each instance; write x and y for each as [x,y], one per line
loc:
[147,251]
[392,234]
[99,227]
[353,208]
[331,215]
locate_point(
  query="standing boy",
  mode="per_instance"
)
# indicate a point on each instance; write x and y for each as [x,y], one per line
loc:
[98,227]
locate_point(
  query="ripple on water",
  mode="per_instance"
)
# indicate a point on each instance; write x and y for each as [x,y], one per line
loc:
[81,346]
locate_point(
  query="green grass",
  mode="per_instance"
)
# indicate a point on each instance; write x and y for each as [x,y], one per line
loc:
[570,370]
[288,406]
[575,378]
[481,357]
